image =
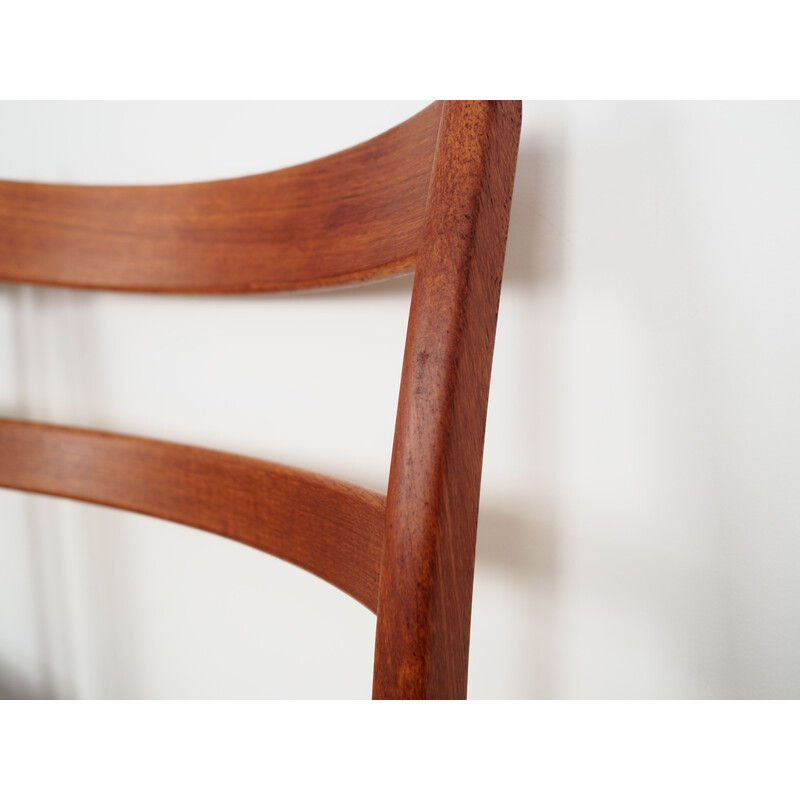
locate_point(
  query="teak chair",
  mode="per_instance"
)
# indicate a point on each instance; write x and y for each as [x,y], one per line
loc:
[431,195]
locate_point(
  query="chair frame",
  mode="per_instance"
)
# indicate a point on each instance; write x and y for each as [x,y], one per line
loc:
[431,195]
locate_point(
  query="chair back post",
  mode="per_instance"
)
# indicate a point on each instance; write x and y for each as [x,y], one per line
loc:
[425,589]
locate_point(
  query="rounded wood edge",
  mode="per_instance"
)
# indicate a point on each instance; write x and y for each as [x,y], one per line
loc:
[425,598]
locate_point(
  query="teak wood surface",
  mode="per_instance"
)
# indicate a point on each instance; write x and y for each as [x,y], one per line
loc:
[431,195]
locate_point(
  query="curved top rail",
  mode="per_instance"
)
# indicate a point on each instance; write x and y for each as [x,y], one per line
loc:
[353,216]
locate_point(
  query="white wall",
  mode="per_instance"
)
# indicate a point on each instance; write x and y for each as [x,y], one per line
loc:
[640,522]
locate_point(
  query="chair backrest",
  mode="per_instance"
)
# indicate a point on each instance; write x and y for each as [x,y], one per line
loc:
[431,195]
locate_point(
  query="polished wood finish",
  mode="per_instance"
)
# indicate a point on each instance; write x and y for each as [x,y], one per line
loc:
[353,216]
[422,643]
[432,194]
[328,527]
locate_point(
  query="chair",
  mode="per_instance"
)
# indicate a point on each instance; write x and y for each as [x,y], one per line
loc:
[432,195]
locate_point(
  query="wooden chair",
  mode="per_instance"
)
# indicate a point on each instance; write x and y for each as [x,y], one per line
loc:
[430,195]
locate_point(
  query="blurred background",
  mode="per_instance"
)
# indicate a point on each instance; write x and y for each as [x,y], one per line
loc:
[640,520]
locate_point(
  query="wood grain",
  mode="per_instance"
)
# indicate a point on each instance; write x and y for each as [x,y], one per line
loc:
[433,193]
[424,606]
[353,216]
[328,527]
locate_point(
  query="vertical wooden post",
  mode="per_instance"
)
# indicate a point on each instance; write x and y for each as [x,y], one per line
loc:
[425,594]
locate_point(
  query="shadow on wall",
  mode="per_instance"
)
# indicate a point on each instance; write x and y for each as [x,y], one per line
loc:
[613,491]
[70,556]
[518,527]
[14,686]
